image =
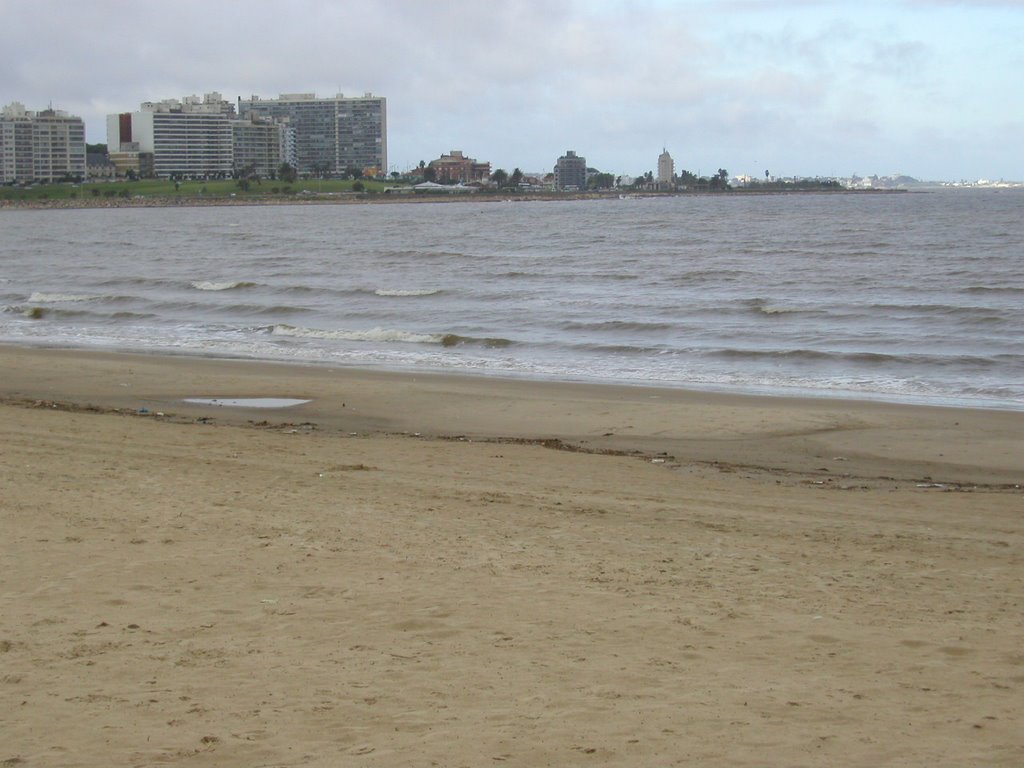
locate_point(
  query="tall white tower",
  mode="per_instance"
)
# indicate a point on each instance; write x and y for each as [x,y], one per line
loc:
[666,168]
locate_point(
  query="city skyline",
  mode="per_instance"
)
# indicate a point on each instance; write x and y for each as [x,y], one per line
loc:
[924,88]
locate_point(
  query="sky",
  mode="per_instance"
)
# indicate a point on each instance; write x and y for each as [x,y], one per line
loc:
[933,89]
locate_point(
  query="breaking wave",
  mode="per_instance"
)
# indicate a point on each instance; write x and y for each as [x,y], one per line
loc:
[388,335]
[766,307]
[206,285]
[372,334]
[58,298]
[407,293]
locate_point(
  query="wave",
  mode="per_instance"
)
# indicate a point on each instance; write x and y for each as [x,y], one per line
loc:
[770,309]
[454,340]
[133,316]
[77,315]
[520,274]
[388,335]
[766,307]
[348,292]
[250,310]
[59,298]
[206,285]
[410,292]
[616,326]
[993,289]
[868,359]
[621,350]
[372,334]
[963,316]
[939,309]
[132,281]
[877,310]
[703,276]
[806,355]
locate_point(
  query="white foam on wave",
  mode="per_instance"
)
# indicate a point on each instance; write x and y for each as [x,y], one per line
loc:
[408,292]
[208,285]
[373,334]
[58,298]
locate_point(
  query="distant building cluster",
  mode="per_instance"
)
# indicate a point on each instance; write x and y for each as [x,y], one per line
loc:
[208,138]
[302,134]
[204,137]
[330,135]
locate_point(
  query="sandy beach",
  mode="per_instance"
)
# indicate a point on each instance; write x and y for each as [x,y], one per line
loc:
[417,569]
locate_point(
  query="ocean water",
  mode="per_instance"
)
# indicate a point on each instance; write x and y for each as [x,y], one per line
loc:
[904,297]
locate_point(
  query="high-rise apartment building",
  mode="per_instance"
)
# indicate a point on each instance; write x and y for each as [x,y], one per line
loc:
[16,153]
[197,138]
[571,171]
[40,146]
[332,134]
[261,145]
[190,138]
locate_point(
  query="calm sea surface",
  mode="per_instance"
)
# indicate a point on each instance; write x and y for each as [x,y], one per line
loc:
[907,297]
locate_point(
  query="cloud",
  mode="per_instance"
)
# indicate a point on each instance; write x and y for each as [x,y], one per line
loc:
[518,82]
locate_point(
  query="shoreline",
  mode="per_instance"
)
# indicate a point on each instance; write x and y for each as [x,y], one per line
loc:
[382,198]
[663,421]
[779,392]
[430,569]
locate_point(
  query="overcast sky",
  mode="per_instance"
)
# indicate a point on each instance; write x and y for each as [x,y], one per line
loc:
[929,88]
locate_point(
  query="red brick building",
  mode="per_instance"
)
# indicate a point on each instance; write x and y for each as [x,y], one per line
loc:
[457,168]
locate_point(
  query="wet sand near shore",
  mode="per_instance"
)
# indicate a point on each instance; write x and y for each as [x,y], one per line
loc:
[415,569]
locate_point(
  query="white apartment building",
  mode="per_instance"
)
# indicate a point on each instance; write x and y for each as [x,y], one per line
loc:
[332,134]
[40,146]
[190,138]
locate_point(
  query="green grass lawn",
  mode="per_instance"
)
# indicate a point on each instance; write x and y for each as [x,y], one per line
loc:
[186,189]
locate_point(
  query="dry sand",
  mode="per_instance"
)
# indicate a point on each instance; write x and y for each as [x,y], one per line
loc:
[416,570]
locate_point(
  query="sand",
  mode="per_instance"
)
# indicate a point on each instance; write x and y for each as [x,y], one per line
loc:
[416,570]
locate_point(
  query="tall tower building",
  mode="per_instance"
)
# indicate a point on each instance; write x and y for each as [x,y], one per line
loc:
[571,171]
[332,134]
[666,168]
[16,155]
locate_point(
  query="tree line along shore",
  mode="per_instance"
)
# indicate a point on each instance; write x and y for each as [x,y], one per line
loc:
[157,193]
